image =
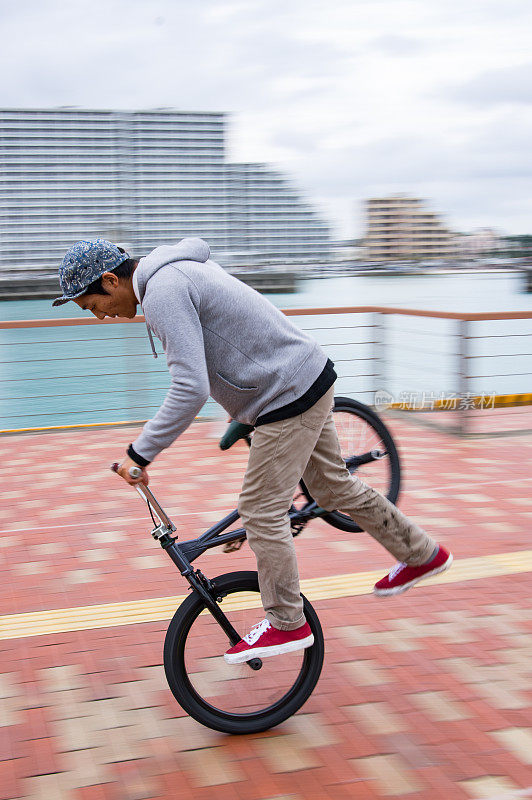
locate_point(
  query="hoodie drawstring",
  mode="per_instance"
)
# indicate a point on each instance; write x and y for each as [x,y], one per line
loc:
[150,337]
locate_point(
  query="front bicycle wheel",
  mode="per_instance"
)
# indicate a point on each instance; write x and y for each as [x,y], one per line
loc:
[228,697]
[369,451]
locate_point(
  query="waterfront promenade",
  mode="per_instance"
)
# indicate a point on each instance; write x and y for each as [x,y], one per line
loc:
[426,695]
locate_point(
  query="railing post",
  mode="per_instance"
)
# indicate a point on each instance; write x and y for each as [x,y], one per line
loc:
[463,376]
[379,351]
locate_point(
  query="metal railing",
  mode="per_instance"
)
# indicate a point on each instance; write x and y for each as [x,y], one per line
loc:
[458,369]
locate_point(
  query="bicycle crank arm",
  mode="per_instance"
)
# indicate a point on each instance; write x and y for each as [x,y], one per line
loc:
[314,510]
[366,458]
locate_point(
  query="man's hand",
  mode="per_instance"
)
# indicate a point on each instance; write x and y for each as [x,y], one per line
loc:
[123,471]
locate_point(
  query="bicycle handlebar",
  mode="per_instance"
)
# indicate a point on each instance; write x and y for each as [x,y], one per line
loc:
[147,495]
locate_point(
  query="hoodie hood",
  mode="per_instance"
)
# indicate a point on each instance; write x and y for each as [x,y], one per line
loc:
[192,249]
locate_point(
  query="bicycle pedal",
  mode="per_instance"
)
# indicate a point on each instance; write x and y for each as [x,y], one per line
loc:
[231,547]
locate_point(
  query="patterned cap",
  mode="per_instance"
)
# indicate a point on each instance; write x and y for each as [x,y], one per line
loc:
[83,263]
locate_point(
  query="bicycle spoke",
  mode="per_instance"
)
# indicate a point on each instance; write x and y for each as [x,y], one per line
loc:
[357,441]
[236,689]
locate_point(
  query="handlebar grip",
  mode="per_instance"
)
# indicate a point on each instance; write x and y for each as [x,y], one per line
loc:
[135,472]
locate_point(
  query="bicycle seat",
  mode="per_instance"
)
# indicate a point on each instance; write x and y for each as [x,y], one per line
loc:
[235,431]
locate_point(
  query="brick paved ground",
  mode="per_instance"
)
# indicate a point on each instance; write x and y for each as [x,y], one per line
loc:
[423,696]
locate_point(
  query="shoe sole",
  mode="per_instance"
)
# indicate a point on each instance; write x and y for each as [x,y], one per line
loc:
[265,652]
[404,587]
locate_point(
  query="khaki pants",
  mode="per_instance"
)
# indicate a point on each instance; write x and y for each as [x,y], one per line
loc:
[307,446]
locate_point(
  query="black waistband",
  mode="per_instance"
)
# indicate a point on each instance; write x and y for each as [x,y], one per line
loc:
[322,384]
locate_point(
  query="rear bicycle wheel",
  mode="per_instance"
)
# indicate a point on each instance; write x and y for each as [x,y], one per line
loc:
[235,698]
[369,451]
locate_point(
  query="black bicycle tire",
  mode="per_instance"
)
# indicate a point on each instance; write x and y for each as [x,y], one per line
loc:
[203,712]
[342,521]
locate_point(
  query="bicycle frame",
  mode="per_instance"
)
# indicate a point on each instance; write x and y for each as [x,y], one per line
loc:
[184,553]
[191,549]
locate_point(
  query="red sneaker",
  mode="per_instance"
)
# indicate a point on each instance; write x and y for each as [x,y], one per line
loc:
[402,577]
[265,640]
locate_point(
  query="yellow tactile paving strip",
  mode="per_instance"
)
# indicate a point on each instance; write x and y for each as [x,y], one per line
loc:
[109,615]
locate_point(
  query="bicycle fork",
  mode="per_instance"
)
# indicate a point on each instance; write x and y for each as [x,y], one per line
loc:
[207,591]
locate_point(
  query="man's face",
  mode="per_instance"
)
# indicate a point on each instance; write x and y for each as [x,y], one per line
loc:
[119,302]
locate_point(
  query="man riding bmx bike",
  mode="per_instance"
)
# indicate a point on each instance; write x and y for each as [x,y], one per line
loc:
[222,338]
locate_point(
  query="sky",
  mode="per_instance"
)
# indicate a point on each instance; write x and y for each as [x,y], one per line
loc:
[350,98]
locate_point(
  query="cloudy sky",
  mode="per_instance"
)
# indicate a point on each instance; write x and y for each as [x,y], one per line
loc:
[352,98]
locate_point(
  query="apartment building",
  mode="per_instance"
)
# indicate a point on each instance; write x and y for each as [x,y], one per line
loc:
[404,228]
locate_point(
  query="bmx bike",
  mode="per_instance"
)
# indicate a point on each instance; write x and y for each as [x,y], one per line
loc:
[261,693]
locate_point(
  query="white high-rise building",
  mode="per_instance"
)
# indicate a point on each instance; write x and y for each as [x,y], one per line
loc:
[267,217]
[141,179]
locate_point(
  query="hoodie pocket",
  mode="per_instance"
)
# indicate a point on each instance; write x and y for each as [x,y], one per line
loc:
[234,385]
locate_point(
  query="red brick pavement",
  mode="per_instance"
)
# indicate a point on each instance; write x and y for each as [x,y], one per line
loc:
[426,695]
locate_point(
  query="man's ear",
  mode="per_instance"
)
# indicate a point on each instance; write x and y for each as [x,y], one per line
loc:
[109,280]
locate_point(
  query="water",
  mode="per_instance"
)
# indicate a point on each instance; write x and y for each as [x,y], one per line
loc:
[80,375]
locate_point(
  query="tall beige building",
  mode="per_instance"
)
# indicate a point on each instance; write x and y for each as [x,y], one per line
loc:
[401,228]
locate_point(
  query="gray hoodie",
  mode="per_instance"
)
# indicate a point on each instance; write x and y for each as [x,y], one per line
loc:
[221,338]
